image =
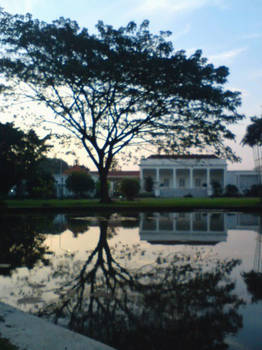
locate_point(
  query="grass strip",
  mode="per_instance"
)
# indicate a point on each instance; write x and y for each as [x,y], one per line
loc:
[145,203]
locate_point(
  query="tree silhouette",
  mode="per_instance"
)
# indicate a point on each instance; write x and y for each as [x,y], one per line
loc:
[119,87]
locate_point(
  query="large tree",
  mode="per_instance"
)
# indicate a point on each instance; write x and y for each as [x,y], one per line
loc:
[119,87]
[20,153]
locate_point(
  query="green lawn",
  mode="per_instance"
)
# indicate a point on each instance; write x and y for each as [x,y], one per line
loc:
[142,203]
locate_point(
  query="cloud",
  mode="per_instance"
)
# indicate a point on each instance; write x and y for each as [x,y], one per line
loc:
[253,36]
[182,32]
[19,6]
[226,56]
[177,6]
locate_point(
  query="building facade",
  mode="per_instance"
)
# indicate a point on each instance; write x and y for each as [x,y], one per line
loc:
[179,176]
[192,175]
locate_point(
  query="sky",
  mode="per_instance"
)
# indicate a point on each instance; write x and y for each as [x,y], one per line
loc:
[229,32]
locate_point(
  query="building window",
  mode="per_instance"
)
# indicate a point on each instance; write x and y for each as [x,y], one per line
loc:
[198,182]
[166,182]
[181,182]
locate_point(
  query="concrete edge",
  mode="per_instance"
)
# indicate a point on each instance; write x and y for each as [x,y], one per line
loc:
[29,332]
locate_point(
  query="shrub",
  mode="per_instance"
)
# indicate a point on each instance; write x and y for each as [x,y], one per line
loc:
[129,188]
[80,183]
[254,191]
[231,191]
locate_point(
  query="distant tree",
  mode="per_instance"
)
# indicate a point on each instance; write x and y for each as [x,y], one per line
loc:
[80,183]
[53,165]
[129,188]
[41,185]
[20,154]
[149,184]
[119,87]
[253,136]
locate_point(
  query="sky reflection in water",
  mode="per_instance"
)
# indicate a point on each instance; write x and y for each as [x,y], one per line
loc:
[149,279]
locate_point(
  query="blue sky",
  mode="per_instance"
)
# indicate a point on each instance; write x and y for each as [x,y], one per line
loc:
[229,32]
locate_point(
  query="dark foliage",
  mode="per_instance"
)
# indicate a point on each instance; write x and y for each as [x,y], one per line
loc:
[231,191]
[254,284]
[80,183]
[254,191]
[20,154]
[217,189]
[41,184]
[53,165]
[253,136]
[129,188]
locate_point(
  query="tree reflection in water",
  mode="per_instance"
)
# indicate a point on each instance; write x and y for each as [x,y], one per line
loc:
[180,301]
[21,244]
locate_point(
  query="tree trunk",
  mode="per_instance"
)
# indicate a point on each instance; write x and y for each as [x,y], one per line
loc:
[104,189]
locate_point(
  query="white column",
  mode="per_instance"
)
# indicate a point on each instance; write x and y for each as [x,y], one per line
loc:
[157,176]
[209,190]
[141,180]
[174,178]
[208,222]
[157,187]
[157,222]
[224,179]
[191,221]
[190,178]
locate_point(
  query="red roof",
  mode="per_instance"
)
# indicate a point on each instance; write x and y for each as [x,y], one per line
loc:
[76,168]
[119,173]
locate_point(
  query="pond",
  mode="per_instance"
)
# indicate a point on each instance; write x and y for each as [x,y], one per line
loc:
[192,280]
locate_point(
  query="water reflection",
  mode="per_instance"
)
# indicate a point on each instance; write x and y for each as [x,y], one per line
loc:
[184,300]
[21,244]
[190,228]
[115,293]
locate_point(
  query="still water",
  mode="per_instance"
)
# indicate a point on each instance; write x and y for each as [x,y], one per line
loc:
[139,281]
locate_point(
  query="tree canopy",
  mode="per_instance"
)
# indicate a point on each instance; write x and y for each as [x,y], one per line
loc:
[80,183]
[53,165]
[20,152]
[119,87]
[253,136]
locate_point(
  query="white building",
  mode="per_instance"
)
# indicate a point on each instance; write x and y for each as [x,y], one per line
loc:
[194,175]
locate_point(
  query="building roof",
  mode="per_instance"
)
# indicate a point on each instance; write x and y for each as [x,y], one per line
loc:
[119,173]
[185,156]
[76,168]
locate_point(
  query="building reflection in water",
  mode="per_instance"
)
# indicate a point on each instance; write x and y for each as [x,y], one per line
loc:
[199,228]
